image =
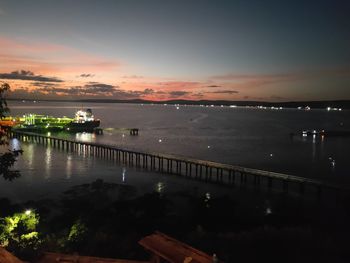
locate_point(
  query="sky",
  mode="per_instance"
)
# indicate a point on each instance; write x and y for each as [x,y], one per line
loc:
[181,49]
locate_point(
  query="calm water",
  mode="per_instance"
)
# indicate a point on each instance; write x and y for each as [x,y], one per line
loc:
[241,136]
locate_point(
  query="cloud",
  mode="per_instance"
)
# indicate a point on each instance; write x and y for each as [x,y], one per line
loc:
[93,90]
[43,84]
[89,89]
[224,92]
[148,91]
[86,75]
[57,91]
[27,75]
[96,87]
[198,95]
[213,86]
[178,93]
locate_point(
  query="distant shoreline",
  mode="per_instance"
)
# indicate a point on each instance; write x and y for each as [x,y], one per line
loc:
[343,104]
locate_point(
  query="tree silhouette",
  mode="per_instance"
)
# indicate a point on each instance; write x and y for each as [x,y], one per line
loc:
[7,157]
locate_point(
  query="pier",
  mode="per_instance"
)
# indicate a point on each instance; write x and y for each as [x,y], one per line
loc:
[208,171]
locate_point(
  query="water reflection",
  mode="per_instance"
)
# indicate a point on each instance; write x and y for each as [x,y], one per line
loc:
[48,159]
[332,162]
[160,186]
[268,211]
[85,137]
[314,148]
[69,167]
[124,175]
[15,144]
[207,199]
[29,152]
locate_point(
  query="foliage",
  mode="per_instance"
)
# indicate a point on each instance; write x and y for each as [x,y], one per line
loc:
[77,231]
[8,158]
[19,231]
[3,104]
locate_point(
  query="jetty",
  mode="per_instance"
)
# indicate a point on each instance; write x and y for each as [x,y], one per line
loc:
[208,171]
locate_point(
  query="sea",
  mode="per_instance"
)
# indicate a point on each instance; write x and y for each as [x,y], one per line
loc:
[260,138]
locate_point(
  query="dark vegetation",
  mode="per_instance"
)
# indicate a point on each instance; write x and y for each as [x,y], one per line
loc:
[7,157]
[107,220]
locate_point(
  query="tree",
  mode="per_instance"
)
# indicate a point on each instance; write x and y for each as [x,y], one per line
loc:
[7,157]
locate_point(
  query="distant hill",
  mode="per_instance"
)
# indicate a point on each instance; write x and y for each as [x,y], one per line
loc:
[344,104]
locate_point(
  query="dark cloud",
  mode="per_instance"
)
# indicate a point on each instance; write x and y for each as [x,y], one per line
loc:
[198,95]
[96,87]
[78,90]
[43,84]
[145,92]
[90,89]
[86,75]
[27,75]
[93,89]
[178,93]
[213,86]
[148,92]
[224,92]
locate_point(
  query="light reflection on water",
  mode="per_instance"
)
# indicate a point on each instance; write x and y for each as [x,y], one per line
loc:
[85,137]
[69,166]
[30,155]
[238,136]
[15,144]
[48,159]
[58,171]
[160,187]
[124,175]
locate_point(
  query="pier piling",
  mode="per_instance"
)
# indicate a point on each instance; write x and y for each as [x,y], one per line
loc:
[190,168]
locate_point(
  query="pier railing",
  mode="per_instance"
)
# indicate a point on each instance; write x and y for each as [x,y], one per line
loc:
[187,167]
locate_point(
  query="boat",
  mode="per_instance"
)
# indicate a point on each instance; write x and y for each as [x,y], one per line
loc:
[83,121]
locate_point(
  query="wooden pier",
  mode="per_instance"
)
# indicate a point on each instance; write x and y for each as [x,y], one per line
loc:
[207,171]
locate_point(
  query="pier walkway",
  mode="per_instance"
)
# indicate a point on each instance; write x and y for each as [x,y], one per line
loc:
[187,167]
